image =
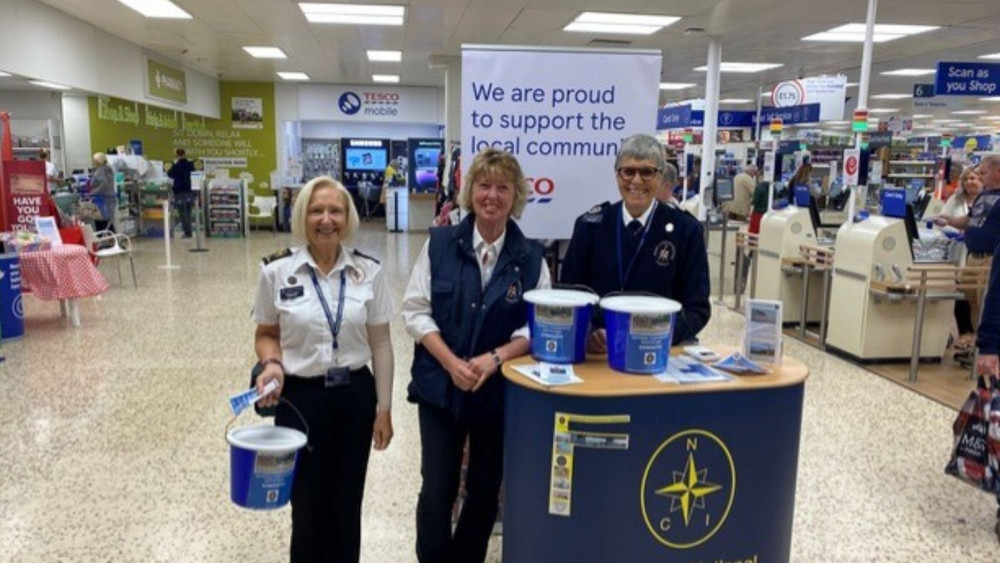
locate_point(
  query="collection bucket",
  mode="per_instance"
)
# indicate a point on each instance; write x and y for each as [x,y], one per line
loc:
[559,320]
[639,330]
[11,302]
[262,464]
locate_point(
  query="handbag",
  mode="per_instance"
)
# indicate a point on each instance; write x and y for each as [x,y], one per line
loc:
[974,457]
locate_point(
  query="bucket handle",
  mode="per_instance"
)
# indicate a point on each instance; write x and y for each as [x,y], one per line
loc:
[289,403]
[575,286]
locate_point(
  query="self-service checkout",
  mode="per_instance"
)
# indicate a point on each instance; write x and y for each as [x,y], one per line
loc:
[862,324]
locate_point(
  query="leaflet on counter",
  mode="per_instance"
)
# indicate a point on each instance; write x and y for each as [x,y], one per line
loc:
[681,369]
[549,375]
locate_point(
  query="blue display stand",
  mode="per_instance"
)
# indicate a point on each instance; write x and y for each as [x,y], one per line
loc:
[11,305]
[625,468]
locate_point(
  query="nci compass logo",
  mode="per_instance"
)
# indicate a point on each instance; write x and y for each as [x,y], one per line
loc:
[688,488]
[378,104]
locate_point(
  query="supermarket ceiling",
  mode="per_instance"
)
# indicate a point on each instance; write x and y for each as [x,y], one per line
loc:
[751,31]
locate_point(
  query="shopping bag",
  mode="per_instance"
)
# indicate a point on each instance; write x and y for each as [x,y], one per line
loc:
[970,458]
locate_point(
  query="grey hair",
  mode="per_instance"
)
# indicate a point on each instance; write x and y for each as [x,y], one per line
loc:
[641,147]
[669,174]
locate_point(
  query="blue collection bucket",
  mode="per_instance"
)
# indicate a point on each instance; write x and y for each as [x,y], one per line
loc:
[262,465]
[639,330]
[11,302]
[559,320]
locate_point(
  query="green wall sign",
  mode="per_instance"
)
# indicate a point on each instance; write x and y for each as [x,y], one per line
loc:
[165,82]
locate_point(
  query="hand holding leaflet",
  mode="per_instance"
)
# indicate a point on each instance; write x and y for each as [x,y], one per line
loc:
[243,400]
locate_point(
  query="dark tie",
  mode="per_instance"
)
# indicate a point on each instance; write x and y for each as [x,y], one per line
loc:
[634,227]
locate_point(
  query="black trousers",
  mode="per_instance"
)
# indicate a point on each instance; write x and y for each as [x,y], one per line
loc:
[330,479]
[963,317]
[184,203]
[442,439]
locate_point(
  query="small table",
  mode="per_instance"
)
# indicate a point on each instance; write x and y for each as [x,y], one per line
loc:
[64,273]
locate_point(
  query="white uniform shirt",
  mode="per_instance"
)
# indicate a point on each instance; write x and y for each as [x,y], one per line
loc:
[417,299]
[286,297]
[626,218]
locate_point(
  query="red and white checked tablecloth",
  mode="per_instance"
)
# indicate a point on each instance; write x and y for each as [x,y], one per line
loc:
[63,272]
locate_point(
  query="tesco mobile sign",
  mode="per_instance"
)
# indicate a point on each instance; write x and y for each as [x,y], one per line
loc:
[827,91]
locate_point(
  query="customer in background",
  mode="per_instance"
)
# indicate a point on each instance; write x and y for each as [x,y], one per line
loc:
[322,312]
[103,193]
[180,173]
[51,172]
[958,205]
[665,194]
[982,224]
[988,339]
[743,186]
[635,244]
[464,308]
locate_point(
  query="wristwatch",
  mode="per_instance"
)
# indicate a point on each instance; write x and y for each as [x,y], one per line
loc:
[496,357]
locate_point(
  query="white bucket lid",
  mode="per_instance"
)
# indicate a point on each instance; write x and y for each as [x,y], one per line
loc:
[560,297]
[266,438]
[641,304]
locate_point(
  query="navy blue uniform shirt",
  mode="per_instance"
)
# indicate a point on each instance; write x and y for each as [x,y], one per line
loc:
[983,231]
[670,261]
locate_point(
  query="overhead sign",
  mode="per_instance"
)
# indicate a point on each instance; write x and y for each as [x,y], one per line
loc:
[165,82]
[967,79]
[852,166]
[808,113]
[565,127]
[679,117]
[924,99]
[827,91]
[369,103]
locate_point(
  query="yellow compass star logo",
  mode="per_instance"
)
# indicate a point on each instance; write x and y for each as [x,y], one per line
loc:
[691,485]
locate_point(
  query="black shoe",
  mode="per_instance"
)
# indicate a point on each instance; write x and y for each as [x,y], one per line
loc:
[996,529]
[186,236]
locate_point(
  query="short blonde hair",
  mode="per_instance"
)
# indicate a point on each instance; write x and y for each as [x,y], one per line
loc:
[495,163]
[300,211]
[965,176]
[100,158]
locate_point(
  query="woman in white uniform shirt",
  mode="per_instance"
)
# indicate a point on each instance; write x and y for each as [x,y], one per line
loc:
[322,312]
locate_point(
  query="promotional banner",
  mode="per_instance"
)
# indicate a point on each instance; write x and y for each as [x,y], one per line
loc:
[27,195]
[564,126]
[827,91]
[389,104]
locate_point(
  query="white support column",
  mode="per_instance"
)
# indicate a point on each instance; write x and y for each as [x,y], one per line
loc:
[866,71]
[711,123]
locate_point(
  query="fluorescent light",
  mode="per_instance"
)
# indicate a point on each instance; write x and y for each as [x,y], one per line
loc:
[735,101]
[891,96]
[743,67]
[883,110]
[266,52]
[922,116]
[991,117]
[836,123]
[970,112]
[3,74]
[385,78]
[851,85]
[676,85]
[990,99]
[909,72]
[385,56]
[293,75]
[157,9]
[629,24]
[946,121]
[52,85]
[855,32]
[990,56]
[357,14]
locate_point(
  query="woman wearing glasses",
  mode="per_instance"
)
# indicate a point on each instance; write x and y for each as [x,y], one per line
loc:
[636,244]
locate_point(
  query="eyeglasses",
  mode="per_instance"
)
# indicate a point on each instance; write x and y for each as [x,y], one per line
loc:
[627,172]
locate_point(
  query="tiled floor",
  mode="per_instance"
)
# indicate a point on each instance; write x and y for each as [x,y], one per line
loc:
[112,440]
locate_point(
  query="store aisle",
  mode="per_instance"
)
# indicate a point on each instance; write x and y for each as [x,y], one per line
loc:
[113,448]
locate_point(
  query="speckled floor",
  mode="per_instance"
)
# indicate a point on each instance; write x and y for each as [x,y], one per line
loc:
[112,435]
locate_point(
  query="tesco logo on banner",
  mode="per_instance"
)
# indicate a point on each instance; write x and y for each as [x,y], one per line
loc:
[790,93]
[382,104]
[541,190]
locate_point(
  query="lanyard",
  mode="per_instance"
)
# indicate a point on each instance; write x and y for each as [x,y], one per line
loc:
[623,274]
[334,326]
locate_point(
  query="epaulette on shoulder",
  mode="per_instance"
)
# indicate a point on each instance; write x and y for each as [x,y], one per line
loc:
[277,256]
[357,252]
[596,213]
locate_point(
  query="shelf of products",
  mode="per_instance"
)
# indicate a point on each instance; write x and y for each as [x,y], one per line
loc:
[913,173]
[151,196]
[225,208]
[320,157]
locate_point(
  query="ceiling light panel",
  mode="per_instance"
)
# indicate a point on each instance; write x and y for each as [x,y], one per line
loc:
[899,96]
[293,75]
[970,112]
[909,72]
[393,78]
[385,56]
[676,85]
[735,101]
[51,85]
[855,32]
[883,110]
[3,74]
[356,14]
[265,52]
[743,67]
[993,56]
[162,9]
[626,24]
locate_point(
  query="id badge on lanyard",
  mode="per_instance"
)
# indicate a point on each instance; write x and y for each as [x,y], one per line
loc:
[335,376]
